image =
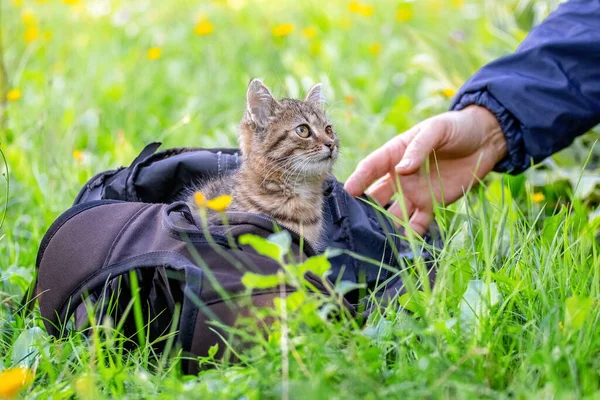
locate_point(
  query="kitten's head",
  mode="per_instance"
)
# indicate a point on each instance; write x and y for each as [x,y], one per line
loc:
[291,136]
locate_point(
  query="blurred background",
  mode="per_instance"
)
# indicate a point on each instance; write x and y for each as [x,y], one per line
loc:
[87,84]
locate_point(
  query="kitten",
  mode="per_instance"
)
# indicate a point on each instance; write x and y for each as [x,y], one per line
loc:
[288,149]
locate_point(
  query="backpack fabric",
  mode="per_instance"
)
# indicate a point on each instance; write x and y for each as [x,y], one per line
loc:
[126,232]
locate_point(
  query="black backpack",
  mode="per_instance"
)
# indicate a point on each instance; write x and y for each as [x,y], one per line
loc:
[124,229]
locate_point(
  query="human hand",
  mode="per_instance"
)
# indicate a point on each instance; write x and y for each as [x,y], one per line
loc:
[461,146]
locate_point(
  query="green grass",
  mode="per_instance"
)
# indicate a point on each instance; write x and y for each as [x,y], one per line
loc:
[91,99]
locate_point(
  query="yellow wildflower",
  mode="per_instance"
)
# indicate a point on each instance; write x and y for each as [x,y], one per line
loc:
[309,32]
[28,17]
[283,30]
[200,199]
[349,99]
[537,197]
[448,92]
[560,325]
[218,204]
[154,53]
[457,3]
[13,380]
[375,48]
[78,155]
[204,27]
[13,95]
[71,2]
[356,7]
[31,34]
[17,3]
[405,13]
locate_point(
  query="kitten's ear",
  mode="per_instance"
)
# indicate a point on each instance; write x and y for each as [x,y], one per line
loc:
[315,95]
[260,103]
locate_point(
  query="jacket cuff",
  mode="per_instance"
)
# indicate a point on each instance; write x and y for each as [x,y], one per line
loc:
[516,160]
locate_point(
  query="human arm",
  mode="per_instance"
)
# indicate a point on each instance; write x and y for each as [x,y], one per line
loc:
[542,97]
[546,93]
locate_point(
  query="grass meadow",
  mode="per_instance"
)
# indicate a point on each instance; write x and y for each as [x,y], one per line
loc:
[86,84]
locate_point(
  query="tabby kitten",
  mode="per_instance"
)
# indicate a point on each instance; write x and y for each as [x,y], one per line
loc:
[288,149]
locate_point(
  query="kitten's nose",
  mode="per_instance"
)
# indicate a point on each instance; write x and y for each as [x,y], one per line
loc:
[331,145]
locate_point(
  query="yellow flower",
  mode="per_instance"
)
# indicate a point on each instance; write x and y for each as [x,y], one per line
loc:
[218,204]
[17,3]
[356,7]
[375,48]
[537,197]
[70,2]
[28,17]
[204,27]
[457,3]
[448,92]
[154,53]
[309,32]
[405,13]
[560,325]
[283,30]
[13,95]
[78,155]
[13,380]
[200,199]
[349,99]
[31,34]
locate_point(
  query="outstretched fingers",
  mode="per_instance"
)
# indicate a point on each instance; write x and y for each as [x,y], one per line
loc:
[377,164]
[382,190]
[420,221]
[429,137]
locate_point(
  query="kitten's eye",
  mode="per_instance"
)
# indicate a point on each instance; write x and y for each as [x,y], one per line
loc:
[329,130]
[303,131]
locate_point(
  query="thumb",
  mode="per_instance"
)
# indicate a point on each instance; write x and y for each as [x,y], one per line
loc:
[427,139]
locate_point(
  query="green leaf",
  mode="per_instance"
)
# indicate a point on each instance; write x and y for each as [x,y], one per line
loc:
[282,239]
[344,287]
[318,265]
[577,309]
[295,300]
[586,185]
[261,245]
[516,184]
[292,301]
[257,281]
[551,227]
[412,301]
[26,346]
[477,300]
[212,350]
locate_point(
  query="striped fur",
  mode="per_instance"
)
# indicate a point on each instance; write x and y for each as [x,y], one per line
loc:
[281,174]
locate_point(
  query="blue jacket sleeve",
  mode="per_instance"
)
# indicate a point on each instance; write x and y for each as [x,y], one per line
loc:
[546,93]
